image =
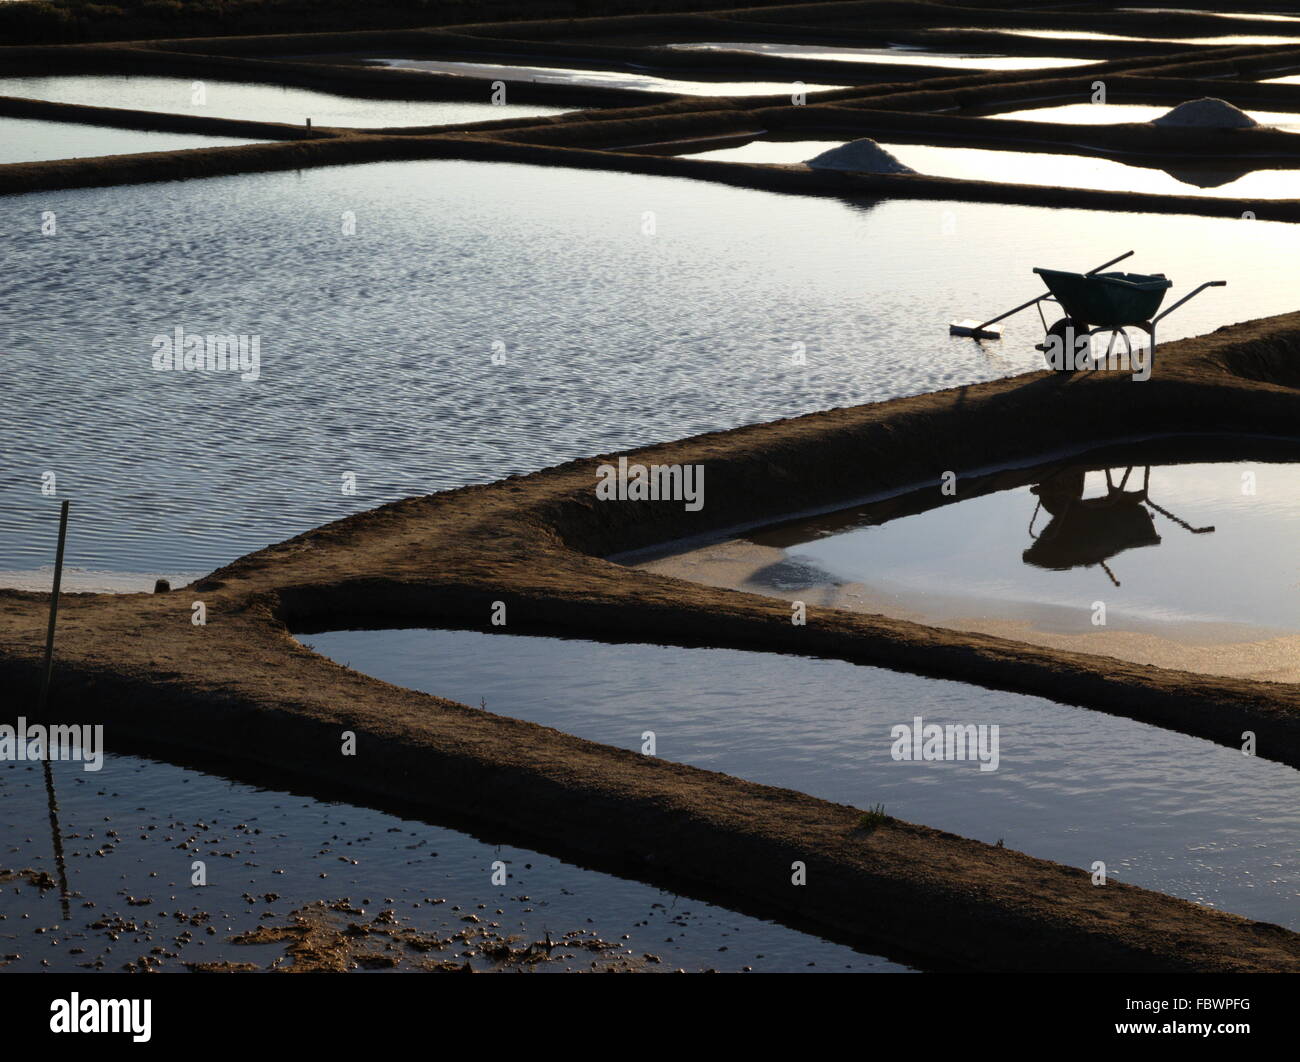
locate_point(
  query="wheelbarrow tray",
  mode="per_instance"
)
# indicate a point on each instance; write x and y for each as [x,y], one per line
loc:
[1107,300]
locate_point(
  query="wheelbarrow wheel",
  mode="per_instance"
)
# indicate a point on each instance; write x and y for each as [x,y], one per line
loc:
[1057,349]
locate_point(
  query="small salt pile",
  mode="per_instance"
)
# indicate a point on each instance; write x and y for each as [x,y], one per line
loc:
[859,156]
[1207,113]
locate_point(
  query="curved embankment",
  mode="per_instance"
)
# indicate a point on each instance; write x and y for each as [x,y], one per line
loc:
[241,687]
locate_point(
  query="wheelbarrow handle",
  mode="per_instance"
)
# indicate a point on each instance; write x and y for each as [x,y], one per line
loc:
[1022,306]
[1098,269]
[1190,294]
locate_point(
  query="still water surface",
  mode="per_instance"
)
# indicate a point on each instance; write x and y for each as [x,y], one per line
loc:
[1234,180]
[894,54]
[622,79]
[1115,113]
[1161,809]
[132,831]
[1130,534]
[34,140]
[258,102]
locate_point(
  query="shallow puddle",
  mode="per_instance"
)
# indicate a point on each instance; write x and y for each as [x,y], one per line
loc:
[35,140]
[1034,561]
[631,309]
[893,54]
[131,833]
[1115,113]
[1059,171]
[256,102]
[1161,809]
[621,79]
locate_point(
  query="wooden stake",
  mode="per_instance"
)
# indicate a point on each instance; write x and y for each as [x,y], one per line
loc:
[54,612]
[51,799]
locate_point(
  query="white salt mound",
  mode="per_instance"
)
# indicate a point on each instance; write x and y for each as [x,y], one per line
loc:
[859,156]
[1207,113]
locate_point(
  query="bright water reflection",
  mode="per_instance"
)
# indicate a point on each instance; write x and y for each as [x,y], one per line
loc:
[556,75]
[1230,181]
[34,140]
[1163,810]
[895,54]
[376,347]
[258,102]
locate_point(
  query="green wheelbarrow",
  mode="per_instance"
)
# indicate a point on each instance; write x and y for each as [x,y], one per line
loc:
[1107,300]
[1093,302]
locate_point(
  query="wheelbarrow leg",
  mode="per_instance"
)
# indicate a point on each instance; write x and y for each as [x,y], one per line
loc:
[1128,346]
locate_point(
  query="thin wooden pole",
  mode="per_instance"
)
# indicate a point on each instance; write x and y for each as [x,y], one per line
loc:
[54,612]
[51,799]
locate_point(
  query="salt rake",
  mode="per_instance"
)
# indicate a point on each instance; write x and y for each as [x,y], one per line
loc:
[975,330]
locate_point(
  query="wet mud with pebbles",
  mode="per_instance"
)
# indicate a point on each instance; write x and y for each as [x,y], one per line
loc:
[293,883]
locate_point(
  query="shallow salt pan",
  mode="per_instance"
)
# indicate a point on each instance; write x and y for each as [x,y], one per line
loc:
[1254,16]
[287,850]
[257,102]
[1085,35]
[899,55]
[1162,810]
[555,75]
[35,140]
[1017,564]
[1114,113]
[1025,167]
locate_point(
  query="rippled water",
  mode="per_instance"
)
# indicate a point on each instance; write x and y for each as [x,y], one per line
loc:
[623,79]
[131,831]
[1060,171]
[893,54]
[1161,809]
[256,102]
[32,140]
[376,348]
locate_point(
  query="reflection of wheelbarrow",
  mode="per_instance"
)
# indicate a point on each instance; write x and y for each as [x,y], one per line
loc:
[1088,531]
[1093,302]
